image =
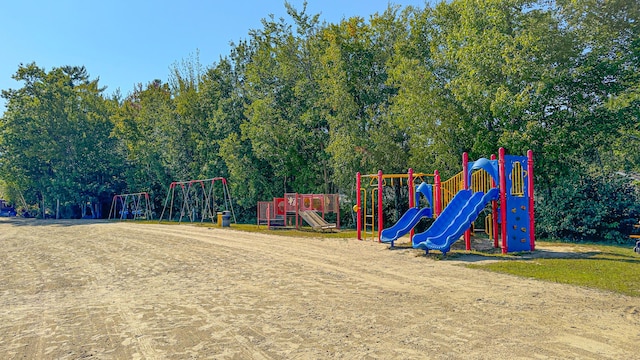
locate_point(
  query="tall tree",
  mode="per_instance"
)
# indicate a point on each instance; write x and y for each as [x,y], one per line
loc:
[607,75]
[284,124]
[423,107]
[356,95]
[55,141]
[145,126]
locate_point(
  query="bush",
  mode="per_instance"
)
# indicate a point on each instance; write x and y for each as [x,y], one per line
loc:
[594,208]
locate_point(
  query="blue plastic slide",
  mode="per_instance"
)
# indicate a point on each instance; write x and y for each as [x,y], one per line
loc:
[446,217]
[456,218]
[408,220]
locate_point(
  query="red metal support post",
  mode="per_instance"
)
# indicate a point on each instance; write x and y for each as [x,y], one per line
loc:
[465,186]
[358,209]
[380,219]
[412,198]
[297,207]
[494,213]
[503,199]
[438,193]
[268,216]
[532,221]
[337,205]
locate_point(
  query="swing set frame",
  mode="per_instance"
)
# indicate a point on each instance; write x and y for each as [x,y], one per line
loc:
[197,200]
[136,203]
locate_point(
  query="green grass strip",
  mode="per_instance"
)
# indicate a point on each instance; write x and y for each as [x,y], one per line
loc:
[609,268]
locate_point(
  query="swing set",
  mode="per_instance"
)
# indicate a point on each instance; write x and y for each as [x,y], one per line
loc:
[195,200]
[133,206]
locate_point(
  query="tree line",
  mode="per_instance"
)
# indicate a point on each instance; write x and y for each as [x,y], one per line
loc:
[301,105]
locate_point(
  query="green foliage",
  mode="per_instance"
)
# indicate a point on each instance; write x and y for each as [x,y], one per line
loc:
[589,208]
[356,96]
[302,106]
[144,125]
[284,124]
[55,142]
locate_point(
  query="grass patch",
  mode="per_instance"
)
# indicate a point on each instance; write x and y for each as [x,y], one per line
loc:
[302,232]
[610,268]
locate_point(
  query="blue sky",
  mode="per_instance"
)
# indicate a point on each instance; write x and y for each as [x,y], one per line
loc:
[136,41]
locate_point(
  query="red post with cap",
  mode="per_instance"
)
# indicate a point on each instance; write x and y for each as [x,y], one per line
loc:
[465,186]
[494,213]
[358,209]
[438,193]
[380,219]
[503,199]
[412,198]
[532,221]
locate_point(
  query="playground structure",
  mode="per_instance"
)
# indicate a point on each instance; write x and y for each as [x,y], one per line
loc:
[196,200]
[369,198]
[508,180]
[438,195]
[6,209]
[133,206]
[288,210]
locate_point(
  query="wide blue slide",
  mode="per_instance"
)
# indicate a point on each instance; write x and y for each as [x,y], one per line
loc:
[456,218]
[407,222]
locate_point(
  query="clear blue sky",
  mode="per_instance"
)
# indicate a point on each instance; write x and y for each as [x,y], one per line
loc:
[136,41]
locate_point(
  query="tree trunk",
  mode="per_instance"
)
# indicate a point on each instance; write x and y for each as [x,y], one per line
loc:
[97,211]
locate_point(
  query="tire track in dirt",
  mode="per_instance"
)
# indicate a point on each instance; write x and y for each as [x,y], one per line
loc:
[85,253]
[127,290]
[263,255]
[28,280]
[152,253]
[276,250]
[394,281]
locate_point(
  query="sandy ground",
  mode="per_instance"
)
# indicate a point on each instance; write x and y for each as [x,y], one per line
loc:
[72,290]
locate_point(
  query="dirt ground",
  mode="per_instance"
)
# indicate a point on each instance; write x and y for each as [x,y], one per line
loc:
[73,289]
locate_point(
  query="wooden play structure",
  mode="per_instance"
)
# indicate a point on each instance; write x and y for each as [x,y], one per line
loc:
[289,210]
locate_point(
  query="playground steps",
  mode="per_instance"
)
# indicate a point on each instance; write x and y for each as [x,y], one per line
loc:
[276,221]
[316,221]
